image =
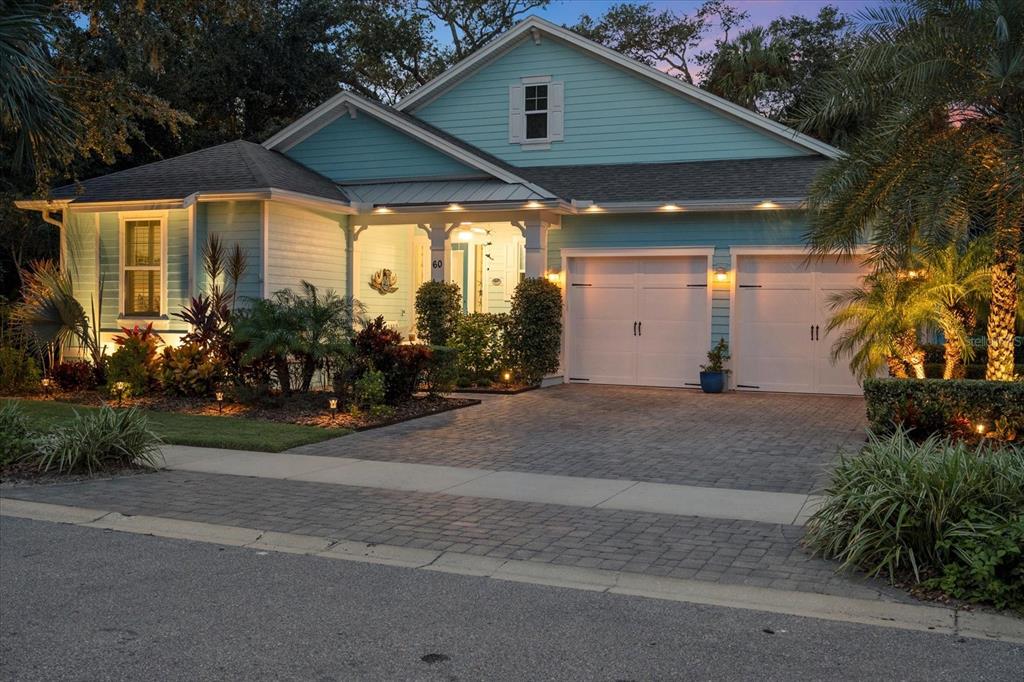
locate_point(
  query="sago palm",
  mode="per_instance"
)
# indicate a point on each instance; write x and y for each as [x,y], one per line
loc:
[943,83]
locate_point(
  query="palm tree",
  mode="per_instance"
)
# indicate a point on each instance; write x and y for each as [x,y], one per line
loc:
[951,285]
[943,82]
[750,69]
[33,113]
[877,328]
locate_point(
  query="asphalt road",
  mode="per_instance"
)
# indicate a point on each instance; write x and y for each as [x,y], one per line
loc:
[79,603]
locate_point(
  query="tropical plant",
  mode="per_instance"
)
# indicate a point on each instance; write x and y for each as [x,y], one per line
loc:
[717,357]
[379,347]
[18,371]
[33,111]
[908,509]
[136,361]
[438,307]
[753,71]
[74,375]
[324,328]
[535,328]
[266,332]
[100,440]
[208,323]
[190,370]
[877,328]
[943,82]
[51,315]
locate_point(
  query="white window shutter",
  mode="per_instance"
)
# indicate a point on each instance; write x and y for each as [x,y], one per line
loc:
[516,120]
[556,111]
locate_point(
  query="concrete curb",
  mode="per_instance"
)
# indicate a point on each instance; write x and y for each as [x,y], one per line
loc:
[922,617]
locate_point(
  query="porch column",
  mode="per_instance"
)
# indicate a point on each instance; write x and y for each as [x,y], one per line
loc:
[535,232]
[440,251]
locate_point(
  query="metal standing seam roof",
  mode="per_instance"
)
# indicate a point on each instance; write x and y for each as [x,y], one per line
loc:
[440,192]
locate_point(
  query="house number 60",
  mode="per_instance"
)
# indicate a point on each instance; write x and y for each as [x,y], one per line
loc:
[436,264]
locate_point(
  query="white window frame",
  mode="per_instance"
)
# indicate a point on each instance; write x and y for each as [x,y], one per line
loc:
[555,113]
[527,113]
[123,219]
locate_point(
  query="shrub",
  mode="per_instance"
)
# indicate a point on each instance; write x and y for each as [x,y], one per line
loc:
[104,439]
[16,435]
[480,341]
[75,375]
[368,390]
[135,362]
[950,407]
[18,371]
[438,307]
[932,509]
[535,328]
[442,371]
[189,370]
[378,346]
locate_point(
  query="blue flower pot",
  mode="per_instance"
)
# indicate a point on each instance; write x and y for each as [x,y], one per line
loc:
[712,382]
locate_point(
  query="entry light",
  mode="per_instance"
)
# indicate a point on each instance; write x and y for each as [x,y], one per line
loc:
[721,274]
[465,236]
[554,277]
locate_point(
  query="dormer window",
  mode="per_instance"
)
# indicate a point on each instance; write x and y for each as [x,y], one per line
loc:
[536,112]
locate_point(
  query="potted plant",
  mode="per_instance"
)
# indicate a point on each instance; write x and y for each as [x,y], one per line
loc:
[712,375]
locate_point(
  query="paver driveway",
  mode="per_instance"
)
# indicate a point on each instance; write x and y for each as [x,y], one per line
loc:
[754,441]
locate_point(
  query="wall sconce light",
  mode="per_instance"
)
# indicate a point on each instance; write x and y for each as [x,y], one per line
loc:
[219,396]
[554,277]
[721,274]
[332,404]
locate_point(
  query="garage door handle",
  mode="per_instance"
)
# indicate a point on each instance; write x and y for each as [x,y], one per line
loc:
[634,329]
[817,333]
[640,328]
[812,332]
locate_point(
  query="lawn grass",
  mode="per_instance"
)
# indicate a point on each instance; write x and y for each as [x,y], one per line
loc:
[189,429]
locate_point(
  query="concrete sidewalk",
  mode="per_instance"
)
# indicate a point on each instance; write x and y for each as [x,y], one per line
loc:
[624,495]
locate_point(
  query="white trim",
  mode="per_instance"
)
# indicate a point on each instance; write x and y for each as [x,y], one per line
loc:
[436,86]
[333,108]
[584,206]
[122,217]
[265,248]
[191,215]
[626,252]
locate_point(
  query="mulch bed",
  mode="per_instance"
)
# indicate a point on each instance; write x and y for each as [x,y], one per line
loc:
[309,409]
[499,389]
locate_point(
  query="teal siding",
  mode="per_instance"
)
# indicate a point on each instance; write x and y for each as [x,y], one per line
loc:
[363,148]
[236,222]
[611,115]
[718,230]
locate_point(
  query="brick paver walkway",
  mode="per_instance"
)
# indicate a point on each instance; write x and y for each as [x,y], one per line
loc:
[736,552]
[751,441]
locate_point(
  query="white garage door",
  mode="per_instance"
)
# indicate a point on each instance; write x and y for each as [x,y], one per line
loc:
[782,310]
[638,321]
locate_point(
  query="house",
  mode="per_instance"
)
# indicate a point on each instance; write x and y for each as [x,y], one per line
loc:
[670,217]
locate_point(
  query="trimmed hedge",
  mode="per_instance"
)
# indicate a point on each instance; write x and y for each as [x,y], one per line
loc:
[951,407]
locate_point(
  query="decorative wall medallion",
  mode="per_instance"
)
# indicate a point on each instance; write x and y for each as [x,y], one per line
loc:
[496,282]
[384,282]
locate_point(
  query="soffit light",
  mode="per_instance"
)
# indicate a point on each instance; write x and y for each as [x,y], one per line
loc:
[454,207]
[533,204]
[767,204]
[382,209]
[671,208]
[465,235]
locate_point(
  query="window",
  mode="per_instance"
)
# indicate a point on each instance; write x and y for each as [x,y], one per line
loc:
[536,115]
[536,112]
[143,264]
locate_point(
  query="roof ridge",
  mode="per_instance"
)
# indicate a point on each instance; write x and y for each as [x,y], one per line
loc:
[255,168]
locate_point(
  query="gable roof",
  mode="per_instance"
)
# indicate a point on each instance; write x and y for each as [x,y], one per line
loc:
[738,180]
[230,167]
[347,102]
[536,26]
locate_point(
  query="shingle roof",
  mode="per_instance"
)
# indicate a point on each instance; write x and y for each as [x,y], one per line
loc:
[233,166]
[693,181]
